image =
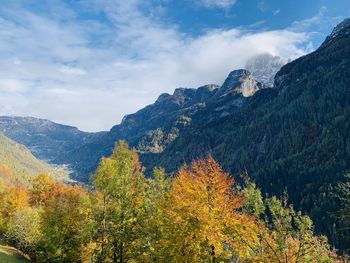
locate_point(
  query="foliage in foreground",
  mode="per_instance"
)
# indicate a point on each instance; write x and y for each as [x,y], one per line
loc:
[198,216]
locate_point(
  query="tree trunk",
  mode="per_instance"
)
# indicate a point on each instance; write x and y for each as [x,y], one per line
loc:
[213,254]
[121,252]
[115,254]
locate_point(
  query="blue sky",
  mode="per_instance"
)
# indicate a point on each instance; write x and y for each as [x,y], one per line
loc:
[87,63]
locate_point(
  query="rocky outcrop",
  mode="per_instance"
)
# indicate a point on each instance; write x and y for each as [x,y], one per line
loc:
[239,82]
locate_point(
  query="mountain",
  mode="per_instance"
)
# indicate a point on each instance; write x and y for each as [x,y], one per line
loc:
[293,138]
[45,139]
[152,129]
[17,164]
[264,67]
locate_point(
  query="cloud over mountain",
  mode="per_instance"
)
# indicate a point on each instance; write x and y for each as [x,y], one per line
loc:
[103,59]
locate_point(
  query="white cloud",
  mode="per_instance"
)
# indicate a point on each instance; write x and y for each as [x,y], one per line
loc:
[90,74]
[72,70]
[12,86]
[217,3]
[317,22]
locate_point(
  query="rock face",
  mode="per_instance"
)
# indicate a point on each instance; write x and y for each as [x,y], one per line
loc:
[340,31]
[240,82]
[264,67]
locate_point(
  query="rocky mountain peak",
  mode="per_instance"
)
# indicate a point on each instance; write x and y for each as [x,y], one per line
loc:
[184,96]
[239,81]
[264,67]
[163,97]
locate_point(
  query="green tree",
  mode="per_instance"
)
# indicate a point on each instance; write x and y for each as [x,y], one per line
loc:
[253,203]
[155,226]
[25,229]
[120,190]
[343,214]
[291,238]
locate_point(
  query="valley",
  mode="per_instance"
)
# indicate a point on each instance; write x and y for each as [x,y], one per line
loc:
[290,138]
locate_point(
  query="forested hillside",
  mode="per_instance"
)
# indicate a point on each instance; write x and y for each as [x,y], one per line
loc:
[294,137]
[17,164]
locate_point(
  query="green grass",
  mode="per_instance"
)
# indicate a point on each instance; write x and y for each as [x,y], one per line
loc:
[11,255]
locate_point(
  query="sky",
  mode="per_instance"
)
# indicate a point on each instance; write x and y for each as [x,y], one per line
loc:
[87,63]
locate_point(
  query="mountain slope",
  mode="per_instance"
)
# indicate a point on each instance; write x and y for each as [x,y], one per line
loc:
[150,129]
[46,140]
[17,164]
[294,137]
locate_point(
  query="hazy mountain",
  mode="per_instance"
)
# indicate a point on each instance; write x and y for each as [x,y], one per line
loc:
[46,140]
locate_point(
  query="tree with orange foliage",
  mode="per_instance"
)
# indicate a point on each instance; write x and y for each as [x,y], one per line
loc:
[6,173]
[203,217]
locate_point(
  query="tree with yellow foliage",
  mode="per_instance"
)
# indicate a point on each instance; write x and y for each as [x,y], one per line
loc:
[204,218]
[43,189]
[63,221]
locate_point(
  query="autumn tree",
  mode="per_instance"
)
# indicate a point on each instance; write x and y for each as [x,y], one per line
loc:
[120,186]
[204,218]
[63,220]
[43,189]
[2,206]
[14,199]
